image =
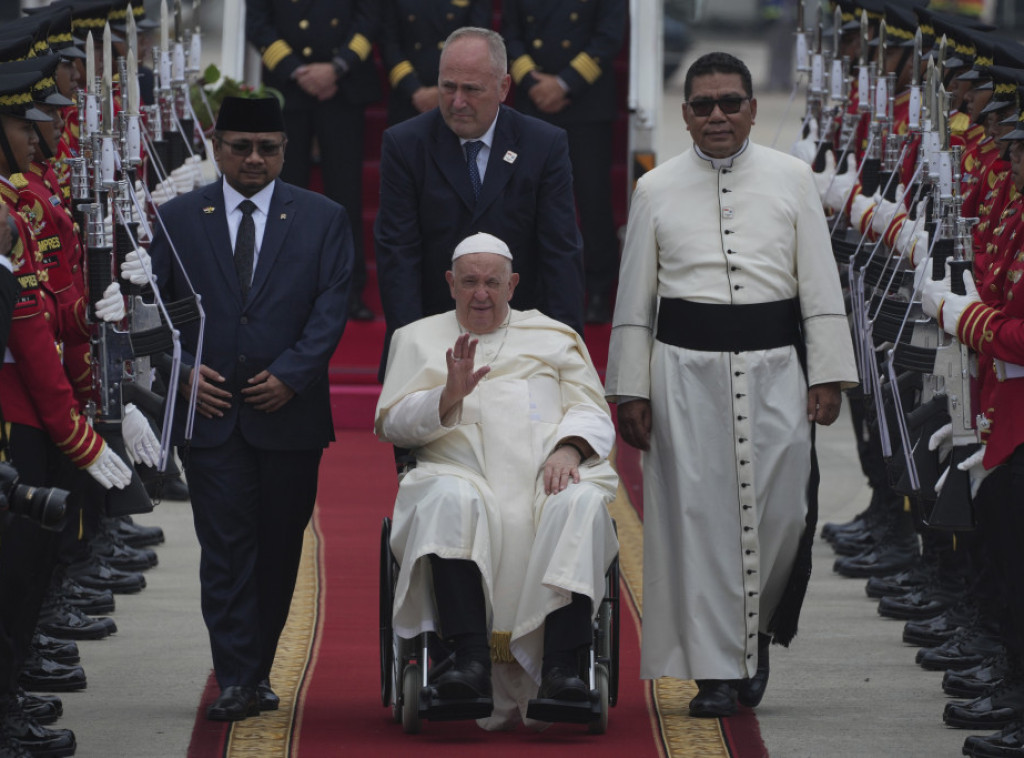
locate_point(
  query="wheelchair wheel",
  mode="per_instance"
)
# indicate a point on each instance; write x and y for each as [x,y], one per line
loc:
[600,724]
[389,665]
[411,699]
[606,637]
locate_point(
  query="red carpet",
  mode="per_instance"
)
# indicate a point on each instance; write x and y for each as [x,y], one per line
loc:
[339,710]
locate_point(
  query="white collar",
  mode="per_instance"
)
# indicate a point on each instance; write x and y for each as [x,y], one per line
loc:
[233,197]
[717,163]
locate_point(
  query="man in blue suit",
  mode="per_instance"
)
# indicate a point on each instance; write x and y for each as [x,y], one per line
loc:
[275,311]
[473,165]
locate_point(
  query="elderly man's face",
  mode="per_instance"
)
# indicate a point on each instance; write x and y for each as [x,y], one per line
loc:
[482,285]
[250,161]
[471,89]
[719,134]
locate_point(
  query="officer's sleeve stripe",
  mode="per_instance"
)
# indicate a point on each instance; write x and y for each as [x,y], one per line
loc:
[399,72]
[275,53]
[521,66]
[586,67]
[360,46]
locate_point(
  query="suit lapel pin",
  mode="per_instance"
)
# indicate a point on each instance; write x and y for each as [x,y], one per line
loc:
[209,209]
[284,216]
[510,157]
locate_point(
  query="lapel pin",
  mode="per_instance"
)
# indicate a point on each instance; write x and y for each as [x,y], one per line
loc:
[284,216]
[209,209]
[510,157]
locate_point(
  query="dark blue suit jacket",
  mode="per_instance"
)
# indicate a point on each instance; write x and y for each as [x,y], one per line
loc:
[427,207]
[291,323]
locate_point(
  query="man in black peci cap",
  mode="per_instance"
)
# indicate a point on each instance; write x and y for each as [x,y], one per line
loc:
[275,311]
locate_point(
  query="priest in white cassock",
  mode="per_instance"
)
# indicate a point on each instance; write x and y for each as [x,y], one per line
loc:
[501,530]
[729,342]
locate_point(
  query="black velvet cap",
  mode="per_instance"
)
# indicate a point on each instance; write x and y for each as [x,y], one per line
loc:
[243,114]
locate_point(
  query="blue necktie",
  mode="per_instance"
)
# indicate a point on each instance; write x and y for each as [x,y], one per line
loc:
[245,247]
[472,151]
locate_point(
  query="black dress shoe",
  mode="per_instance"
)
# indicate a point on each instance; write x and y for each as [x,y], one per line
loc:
[36,739]
[59,619]
[1003,706]
[976,681]
[10,748]
[1008,743]
[563,684]
[967,647]
[167,488]
[920,604]
[96,573]
[134,534]
[269,701]
[750,691]
[887,557]
[62,651]
[117,553]
[468,680]
[900,583]
[716,699]
[85,599]
[359,311]
[234,704]
[935,631]
[43,709]
[43,674]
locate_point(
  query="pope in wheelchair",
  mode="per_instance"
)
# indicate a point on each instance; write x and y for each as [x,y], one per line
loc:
[501,530]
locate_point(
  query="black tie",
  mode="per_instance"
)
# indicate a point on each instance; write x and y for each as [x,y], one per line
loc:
[245,247]
[472,151]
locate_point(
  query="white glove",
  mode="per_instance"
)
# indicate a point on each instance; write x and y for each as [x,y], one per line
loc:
[912,239]
[974,468]
[183,178]
[164,191]
[110,307]
[137,267]
[140,442]
[837,194]
[860,207]
[806,149]
[886,211]
[109,470]
[936,294]
[942,441]
[976,472]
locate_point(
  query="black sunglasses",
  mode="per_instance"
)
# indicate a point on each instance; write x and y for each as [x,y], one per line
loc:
[243,148]
[729,104]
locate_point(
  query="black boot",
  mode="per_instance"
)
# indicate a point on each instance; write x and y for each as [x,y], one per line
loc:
[567,633]
[461,611]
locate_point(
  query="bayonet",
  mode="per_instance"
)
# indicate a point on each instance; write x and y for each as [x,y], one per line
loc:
[914,115]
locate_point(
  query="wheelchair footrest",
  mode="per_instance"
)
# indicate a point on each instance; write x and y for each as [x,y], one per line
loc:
[435,709]
[573,712]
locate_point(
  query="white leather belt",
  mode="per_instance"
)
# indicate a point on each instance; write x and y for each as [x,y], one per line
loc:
[1006,370]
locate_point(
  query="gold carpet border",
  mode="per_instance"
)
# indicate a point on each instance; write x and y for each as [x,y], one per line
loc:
[681,736]
[274,732]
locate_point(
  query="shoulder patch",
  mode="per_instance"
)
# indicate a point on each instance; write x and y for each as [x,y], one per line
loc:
[19,181]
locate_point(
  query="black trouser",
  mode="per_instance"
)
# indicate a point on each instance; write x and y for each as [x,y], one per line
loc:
[338,128]
[28,553]
[250,507]
[1010,543]
[590,151]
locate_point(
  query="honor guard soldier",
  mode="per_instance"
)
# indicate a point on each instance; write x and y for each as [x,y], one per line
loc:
[317,55]
[47,428]
[562,57]
[413,34]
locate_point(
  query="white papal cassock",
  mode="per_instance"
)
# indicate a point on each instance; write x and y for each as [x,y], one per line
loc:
[477,491]
[725,480]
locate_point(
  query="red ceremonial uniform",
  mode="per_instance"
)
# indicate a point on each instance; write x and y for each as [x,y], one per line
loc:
[34,390]
[57,240]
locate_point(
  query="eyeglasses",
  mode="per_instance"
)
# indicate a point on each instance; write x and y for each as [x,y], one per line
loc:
[729,104]
[243,148]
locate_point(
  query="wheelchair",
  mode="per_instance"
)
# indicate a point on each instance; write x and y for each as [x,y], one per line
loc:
[407,667]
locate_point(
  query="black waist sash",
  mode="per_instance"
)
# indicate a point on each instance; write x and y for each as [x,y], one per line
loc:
[729,328]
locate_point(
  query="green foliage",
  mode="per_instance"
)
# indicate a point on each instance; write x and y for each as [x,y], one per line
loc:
[216,87]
